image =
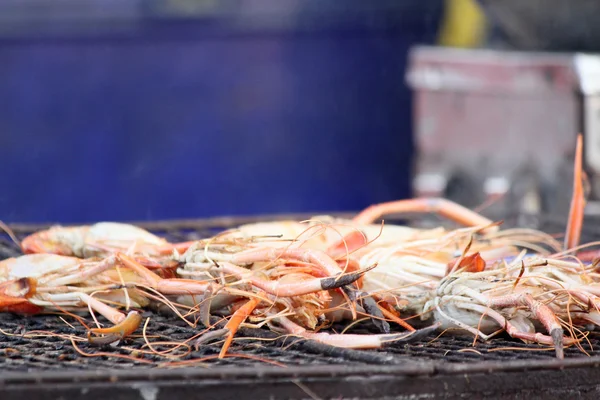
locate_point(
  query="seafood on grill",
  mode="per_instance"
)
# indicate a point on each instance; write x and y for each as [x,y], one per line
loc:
[104,238]
[331,234]
[297,276]
[415,265]
[428,272]
[36,283]
[409,261]
[98,240]
[520,297]
[302,314]
[415,275]
[299,312]
[298,250]
[270,261]
[329,237]
[484,290]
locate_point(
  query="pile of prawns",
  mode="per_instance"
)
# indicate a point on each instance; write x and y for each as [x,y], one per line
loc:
[298,277]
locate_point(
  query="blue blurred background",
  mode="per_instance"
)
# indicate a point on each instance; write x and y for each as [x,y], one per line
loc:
[140,110]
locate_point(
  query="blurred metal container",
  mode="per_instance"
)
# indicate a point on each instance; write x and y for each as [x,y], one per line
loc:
[495,124]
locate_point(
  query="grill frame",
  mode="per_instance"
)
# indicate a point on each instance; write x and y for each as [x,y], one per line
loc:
[554,379]
[403,372]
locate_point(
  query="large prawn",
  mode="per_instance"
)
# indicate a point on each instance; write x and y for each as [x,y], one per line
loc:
[99,240]
[555,293]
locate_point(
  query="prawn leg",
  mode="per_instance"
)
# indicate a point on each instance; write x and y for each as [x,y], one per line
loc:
[375,311]
[86,273]
[354,341]
[232,326]
[327,264]
[293,289]
[346,245]
[15,296]
[389,313]
[541,311]
[446,208]
[124,325]
[575,223]
[184,286]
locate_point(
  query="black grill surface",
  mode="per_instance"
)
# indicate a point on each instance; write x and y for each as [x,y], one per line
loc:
[46,366]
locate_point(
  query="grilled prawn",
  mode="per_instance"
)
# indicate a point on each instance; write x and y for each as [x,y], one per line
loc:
[98,240]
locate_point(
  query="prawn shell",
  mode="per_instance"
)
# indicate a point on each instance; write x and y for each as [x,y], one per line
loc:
[35,266]
[59,240]
[14,295]
[18,306]
[103,237]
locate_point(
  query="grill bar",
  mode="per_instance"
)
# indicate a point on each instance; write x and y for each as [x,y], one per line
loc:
[570,378]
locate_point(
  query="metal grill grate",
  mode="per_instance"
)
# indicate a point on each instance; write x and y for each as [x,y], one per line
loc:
[53,353]
[20,354]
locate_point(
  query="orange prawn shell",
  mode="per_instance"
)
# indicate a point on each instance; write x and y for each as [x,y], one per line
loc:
[52,240]
[14,295]
[92,240]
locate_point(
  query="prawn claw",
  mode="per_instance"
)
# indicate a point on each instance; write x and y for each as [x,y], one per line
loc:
[210,336]
[344,279]
[118,331]
[371,308]
[411,336]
